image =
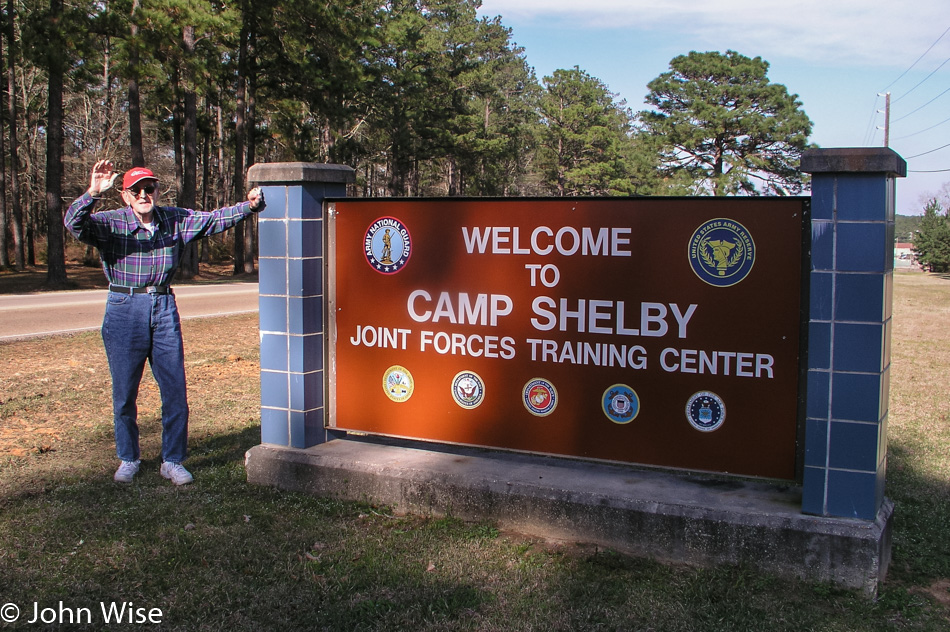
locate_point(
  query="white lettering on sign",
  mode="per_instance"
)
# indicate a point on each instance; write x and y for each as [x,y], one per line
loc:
[385,337]
[608,317]
[484,309]
[543,240]
[587,353]
[717,362]
[475,345]
[549,274]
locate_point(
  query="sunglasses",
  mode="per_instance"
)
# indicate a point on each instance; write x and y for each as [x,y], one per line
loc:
[149,189]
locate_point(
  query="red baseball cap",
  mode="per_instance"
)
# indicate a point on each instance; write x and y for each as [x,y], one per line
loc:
[132,176]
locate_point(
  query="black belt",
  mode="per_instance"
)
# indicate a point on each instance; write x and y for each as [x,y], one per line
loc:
[151,289]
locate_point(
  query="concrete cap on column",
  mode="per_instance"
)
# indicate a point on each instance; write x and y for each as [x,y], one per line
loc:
[297,172]
[854,160]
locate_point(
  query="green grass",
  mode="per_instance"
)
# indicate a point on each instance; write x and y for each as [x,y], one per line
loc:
[225,555]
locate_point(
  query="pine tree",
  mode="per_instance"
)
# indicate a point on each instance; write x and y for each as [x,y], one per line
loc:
[932,241]
[586,142]
[496,132]
[721,122]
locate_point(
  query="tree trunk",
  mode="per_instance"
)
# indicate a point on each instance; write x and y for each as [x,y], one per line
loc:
[205,187]
[221,185]
[90,258]
[250,125]
[178,143]
[14,184]
[4,252]
[55,253]
[397,171]
[560,168]
[238,251]
[189,188]
[105,145]
[135,108]
[718,169]
[452,176]
[206,191]
[31,237]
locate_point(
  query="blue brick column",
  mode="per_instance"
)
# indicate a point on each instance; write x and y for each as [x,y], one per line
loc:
[292,306]
[849,331]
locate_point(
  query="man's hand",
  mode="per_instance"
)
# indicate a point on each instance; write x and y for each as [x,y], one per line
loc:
[103,176]
[256,197]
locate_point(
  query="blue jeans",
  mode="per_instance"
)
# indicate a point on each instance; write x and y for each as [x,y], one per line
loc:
[137,328]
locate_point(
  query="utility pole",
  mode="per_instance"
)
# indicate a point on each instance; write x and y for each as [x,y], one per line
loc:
[887,118]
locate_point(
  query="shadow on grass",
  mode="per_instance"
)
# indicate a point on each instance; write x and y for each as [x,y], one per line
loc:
[921,550]
[216,450]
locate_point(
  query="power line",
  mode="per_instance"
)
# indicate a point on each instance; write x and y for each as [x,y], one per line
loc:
[918,59]
[925,104]
[923,80]
[927,152]
[933,171]
[869,133]
[923,130]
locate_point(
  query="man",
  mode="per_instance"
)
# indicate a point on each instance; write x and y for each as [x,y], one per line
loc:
[141,246]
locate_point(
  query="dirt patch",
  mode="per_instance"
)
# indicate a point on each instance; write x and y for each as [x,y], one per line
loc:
[939,591]
[55,399]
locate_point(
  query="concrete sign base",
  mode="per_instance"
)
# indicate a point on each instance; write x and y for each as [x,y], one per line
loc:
[668,516]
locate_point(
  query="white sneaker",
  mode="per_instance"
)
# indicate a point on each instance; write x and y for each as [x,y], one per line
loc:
[127,470]
[176,473]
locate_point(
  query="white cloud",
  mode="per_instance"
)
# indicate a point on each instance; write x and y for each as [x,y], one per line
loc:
[835,32]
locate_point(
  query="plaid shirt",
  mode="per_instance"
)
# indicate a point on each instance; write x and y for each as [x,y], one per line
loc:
[133,257]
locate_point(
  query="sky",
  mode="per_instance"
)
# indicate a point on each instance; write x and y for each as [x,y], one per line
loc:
[839,56]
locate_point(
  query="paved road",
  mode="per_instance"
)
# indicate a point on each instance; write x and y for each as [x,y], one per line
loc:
[28,315]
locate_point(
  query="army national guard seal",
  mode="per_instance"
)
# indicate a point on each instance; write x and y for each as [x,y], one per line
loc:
[722,252]
[387,245]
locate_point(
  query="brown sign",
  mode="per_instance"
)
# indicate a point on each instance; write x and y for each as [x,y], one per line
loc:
[657,331]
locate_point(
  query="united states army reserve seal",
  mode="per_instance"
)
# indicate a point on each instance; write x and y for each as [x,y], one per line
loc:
[398,384]
[721,252]
[387,245]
